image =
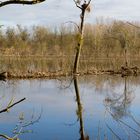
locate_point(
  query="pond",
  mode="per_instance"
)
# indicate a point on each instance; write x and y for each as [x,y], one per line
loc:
[106,107]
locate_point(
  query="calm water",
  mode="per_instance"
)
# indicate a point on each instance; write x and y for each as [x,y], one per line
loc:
[108,107]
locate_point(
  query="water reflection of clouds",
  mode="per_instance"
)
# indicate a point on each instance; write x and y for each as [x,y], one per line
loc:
[43,92]
[59,106]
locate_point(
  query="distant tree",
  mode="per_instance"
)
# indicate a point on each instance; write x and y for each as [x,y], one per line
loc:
[24,2]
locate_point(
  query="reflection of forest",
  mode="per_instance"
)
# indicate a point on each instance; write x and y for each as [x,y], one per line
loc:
[101,81]
[118,107]
[119,96]
[118,104]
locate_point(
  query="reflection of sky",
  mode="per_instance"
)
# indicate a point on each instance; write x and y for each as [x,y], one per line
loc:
[59,109]
[53,12]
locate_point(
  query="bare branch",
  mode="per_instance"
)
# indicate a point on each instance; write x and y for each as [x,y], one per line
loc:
[5,137]
[133,25]
[72,22]
[10,106]
[77,4]
[113,132]
[88,2]
[85,5]
[26,2]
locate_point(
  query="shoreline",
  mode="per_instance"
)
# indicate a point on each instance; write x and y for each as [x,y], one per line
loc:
[124,71]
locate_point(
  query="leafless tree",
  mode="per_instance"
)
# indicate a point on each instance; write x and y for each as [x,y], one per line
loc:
[83,6]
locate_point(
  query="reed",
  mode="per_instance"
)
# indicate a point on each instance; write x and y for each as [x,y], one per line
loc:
[107,46]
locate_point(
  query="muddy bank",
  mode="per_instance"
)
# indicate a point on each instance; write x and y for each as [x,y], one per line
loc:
[32,75]
[123,71]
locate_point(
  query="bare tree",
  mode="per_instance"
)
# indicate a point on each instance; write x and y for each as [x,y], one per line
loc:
[83,6]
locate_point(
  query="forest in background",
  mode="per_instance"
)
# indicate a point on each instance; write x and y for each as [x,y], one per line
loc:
[103,39]
[49,50]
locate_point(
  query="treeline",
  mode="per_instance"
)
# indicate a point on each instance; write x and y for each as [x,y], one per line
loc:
[101,40]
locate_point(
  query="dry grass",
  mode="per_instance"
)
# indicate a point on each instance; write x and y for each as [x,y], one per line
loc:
[40,49]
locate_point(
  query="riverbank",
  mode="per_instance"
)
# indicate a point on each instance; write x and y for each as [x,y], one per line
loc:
[123,71]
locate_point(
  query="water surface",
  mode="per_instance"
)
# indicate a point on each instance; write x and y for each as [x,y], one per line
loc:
[108,108]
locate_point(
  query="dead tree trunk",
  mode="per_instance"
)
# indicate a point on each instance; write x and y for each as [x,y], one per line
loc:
[83,8]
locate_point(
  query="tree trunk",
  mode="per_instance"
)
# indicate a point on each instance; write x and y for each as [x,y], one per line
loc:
[80,43]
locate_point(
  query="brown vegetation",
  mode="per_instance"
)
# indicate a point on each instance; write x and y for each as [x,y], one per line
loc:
[107,47]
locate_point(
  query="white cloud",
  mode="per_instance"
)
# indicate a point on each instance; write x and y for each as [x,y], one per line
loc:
[54,12]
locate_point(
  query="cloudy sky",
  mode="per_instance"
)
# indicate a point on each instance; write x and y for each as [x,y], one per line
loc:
[56,12]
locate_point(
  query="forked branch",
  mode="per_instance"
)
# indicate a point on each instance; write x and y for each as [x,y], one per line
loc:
[11,105]
[83,6]
[78,5]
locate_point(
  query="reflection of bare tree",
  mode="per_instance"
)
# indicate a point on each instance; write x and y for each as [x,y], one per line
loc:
[118,107]
[79,111]
[21,126]
[118,104]
[10,105]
